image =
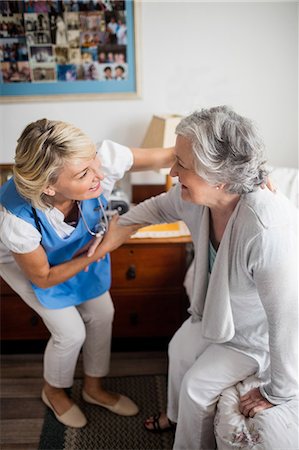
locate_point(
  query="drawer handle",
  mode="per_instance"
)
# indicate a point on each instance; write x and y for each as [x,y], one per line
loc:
[34,321]
[134,319]
[131,272]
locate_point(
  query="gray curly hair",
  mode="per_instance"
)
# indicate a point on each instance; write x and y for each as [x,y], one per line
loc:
[226,149]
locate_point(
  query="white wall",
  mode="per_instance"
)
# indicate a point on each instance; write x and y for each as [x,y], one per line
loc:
[195,55]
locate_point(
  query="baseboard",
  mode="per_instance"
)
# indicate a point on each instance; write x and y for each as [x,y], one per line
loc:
[118,345]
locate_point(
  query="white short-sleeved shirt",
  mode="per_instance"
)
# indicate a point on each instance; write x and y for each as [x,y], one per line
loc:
[18,236]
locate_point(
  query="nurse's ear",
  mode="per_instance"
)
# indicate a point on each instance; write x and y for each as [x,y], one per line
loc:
[49,191]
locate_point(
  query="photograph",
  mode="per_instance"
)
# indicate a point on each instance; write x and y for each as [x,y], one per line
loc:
[31,38]
[61,54]
[9,7]
[13,72]
[30,22]
[38,6]
[43,37]
[73,38]
[92,21]
[41,54]
[92,39]
[59,31]
[11,26]
[44,73]
[120,72]
[107,73]
[72,20]
[42,22]
[92,71]
[66,72]
[112,54]
[13,49]
[75,56]
[89,54]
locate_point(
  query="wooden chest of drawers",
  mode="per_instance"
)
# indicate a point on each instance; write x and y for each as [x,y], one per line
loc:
[18,321]
[147,291]
[147,287]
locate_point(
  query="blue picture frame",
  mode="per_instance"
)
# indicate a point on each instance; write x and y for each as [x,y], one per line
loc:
[56,76]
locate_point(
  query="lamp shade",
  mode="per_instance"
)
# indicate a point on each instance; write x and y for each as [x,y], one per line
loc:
[161,131]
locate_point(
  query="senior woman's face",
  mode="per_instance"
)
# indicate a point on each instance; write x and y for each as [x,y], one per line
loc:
[193,188]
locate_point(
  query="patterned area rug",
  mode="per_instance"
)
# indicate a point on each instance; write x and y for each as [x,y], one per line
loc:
[107,431]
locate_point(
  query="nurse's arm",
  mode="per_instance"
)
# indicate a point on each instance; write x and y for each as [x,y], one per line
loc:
[37,269]
[152,158]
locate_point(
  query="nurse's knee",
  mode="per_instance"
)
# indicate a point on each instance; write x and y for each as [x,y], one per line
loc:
[72,337]
[103,315]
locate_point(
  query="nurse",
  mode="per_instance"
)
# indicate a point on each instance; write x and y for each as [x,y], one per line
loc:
[50,212]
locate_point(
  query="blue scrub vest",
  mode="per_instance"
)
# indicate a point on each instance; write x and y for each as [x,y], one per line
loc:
[81,287]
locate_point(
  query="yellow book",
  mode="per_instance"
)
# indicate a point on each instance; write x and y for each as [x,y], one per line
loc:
[174,229]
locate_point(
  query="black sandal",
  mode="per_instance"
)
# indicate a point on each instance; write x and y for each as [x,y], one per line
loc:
[156,425]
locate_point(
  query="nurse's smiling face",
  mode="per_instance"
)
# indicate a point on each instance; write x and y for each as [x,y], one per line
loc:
[193,187]
[78,181]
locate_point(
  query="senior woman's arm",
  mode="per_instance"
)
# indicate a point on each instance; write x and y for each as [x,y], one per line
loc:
[166,207]
[274,271]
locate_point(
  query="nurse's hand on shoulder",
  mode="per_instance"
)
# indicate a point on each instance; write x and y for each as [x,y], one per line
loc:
[269,185]
[253,402]
[115,236]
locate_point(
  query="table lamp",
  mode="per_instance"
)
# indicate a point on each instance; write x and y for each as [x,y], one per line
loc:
[161,133]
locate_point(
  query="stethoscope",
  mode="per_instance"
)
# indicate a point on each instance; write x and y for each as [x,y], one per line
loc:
[102,226]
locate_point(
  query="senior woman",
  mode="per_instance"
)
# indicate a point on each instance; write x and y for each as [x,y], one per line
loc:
[243,307]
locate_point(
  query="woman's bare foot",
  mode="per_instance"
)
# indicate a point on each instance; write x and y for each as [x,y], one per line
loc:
[58,399]
[159,423]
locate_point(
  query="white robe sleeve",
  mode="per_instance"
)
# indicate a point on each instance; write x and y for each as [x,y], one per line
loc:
[116,159]
[17,235]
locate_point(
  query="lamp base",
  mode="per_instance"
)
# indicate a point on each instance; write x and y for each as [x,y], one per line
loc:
[168,183]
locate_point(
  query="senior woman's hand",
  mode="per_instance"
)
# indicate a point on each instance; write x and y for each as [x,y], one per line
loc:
[253,402]
[115,236]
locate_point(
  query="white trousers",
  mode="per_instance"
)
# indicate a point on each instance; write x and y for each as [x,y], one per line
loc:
[88,324]
[198,373]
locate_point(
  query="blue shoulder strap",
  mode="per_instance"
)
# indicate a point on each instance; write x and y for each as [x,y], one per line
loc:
[36,220]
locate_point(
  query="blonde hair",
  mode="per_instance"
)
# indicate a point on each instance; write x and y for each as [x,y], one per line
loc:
[43,148]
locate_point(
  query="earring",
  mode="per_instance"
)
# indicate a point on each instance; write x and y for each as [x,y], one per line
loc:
[217,187]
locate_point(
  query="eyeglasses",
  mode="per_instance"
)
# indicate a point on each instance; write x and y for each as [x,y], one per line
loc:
[102,227]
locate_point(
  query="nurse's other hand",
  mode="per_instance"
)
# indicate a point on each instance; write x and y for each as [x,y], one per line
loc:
[253,402]
[269,185]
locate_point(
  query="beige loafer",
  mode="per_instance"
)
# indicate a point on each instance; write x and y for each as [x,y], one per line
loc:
[73,417]
[123,407]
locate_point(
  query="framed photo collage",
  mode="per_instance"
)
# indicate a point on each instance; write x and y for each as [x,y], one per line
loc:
[67,47]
